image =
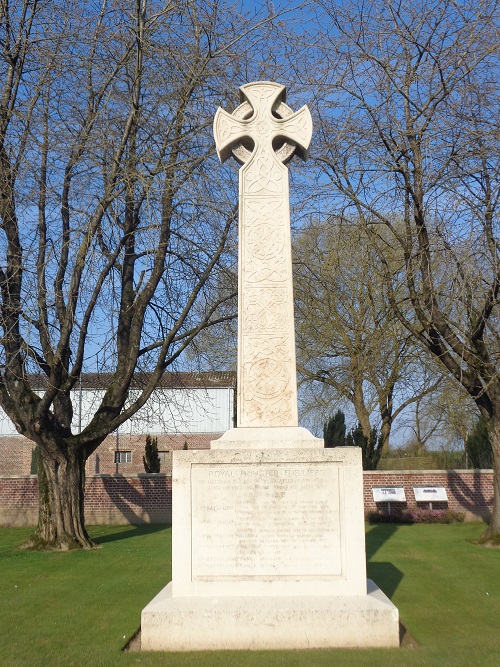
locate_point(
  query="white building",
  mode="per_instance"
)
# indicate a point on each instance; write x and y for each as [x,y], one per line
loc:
[186,410]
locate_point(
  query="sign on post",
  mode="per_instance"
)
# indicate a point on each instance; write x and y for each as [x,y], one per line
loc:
[430,494]
[389,494]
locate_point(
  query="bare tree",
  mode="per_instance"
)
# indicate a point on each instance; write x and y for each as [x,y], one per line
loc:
[410,132]
[442,420]
[113,227]
[347,337]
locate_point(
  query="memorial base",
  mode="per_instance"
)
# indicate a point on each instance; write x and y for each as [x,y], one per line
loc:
[268,553]
[258,623]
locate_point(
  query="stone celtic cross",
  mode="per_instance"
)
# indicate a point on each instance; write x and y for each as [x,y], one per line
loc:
[263,134]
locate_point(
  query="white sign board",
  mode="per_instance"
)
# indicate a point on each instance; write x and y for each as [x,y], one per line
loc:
[429,494]
[388,494]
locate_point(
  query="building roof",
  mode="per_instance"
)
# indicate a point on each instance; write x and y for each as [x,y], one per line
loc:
[217,379]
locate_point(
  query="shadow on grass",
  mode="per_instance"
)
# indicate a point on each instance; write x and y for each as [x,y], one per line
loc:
[377,536]
[132,531]
[386,576]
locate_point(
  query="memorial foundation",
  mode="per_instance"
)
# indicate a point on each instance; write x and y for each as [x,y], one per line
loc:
[268,526]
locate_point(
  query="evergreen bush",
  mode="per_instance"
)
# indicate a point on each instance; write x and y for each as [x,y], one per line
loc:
[478,446]
[334,430]
[371,447]
[35,459]
[151,459]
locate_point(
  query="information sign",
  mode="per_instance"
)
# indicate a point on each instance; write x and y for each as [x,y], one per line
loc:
[388,494]
[430,494]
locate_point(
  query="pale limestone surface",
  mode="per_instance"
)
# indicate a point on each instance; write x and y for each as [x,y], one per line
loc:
[268,526]
[248,623]
[276,437]
[267,386]
[268,522]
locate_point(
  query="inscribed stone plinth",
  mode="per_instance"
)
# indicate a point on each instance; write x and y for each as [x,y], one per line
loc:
[268,531]
[269,522]
[268,552]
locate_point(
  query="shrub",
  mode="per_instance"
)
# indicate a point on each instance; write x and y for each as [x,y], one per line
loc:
[417,515]
[478,446]
[371,447]
[334,430]
[151,459]
[35,459]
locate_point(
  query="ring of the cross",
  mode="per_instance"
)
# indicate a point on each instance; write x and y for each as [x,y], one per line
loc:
[243,150]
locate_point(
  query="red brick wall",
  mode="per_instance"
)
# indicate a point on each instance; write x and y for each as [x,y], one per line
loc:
[128,499]
[15,455]
[469,491]
[15,452]
[18,500]
[148,498]
[109,499]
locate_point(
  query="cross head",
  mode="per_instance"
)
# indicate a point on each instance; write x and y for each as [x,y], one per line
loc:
[262,124]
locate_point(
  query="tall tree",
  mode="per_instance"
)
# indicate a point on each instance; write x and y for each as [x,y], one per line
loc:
[113,224]
[347,337]
[410,132]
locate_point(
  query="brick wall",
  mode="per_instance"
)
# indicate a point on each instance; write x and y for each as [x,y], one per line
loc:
[117,499]
[18,500]
[15,455]
[15,452]
[468,491]
[109,499]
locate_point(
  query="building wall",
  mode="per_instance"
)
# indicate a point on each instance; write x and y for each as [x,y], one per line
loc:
[102,461]
[168,410]
[191,416]
[117,499]
[15,452]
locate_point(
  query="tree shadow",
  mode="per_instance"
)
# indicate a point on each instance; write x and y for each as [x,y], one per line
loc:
[146,503]
[470,497]
[132,531]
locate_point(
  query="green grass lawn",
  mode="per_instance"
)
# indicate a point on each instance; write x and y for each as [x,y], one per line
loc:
[80,608]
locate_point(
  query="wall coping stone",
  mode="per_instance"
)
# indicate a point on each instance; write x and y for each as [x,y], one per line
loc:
[142,475]
[427,472]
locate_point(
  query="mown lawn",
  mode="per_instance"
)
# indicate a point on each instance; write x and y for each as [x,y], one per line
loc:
[80,608]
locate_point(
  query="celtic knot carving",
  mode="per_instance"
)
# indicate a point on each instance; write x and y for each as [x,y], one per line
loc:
[266,271]
[265,310]
[264,176]
[267,369]
[265,241]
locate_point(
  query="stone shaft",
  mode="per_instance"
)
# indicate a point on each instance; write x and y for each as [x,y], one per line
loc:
[263,134]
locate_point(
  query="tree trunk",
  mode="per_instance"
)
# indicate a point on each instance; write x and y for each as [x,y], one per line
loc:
[61,480]
[358,400]
[385,432]
[492,532]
